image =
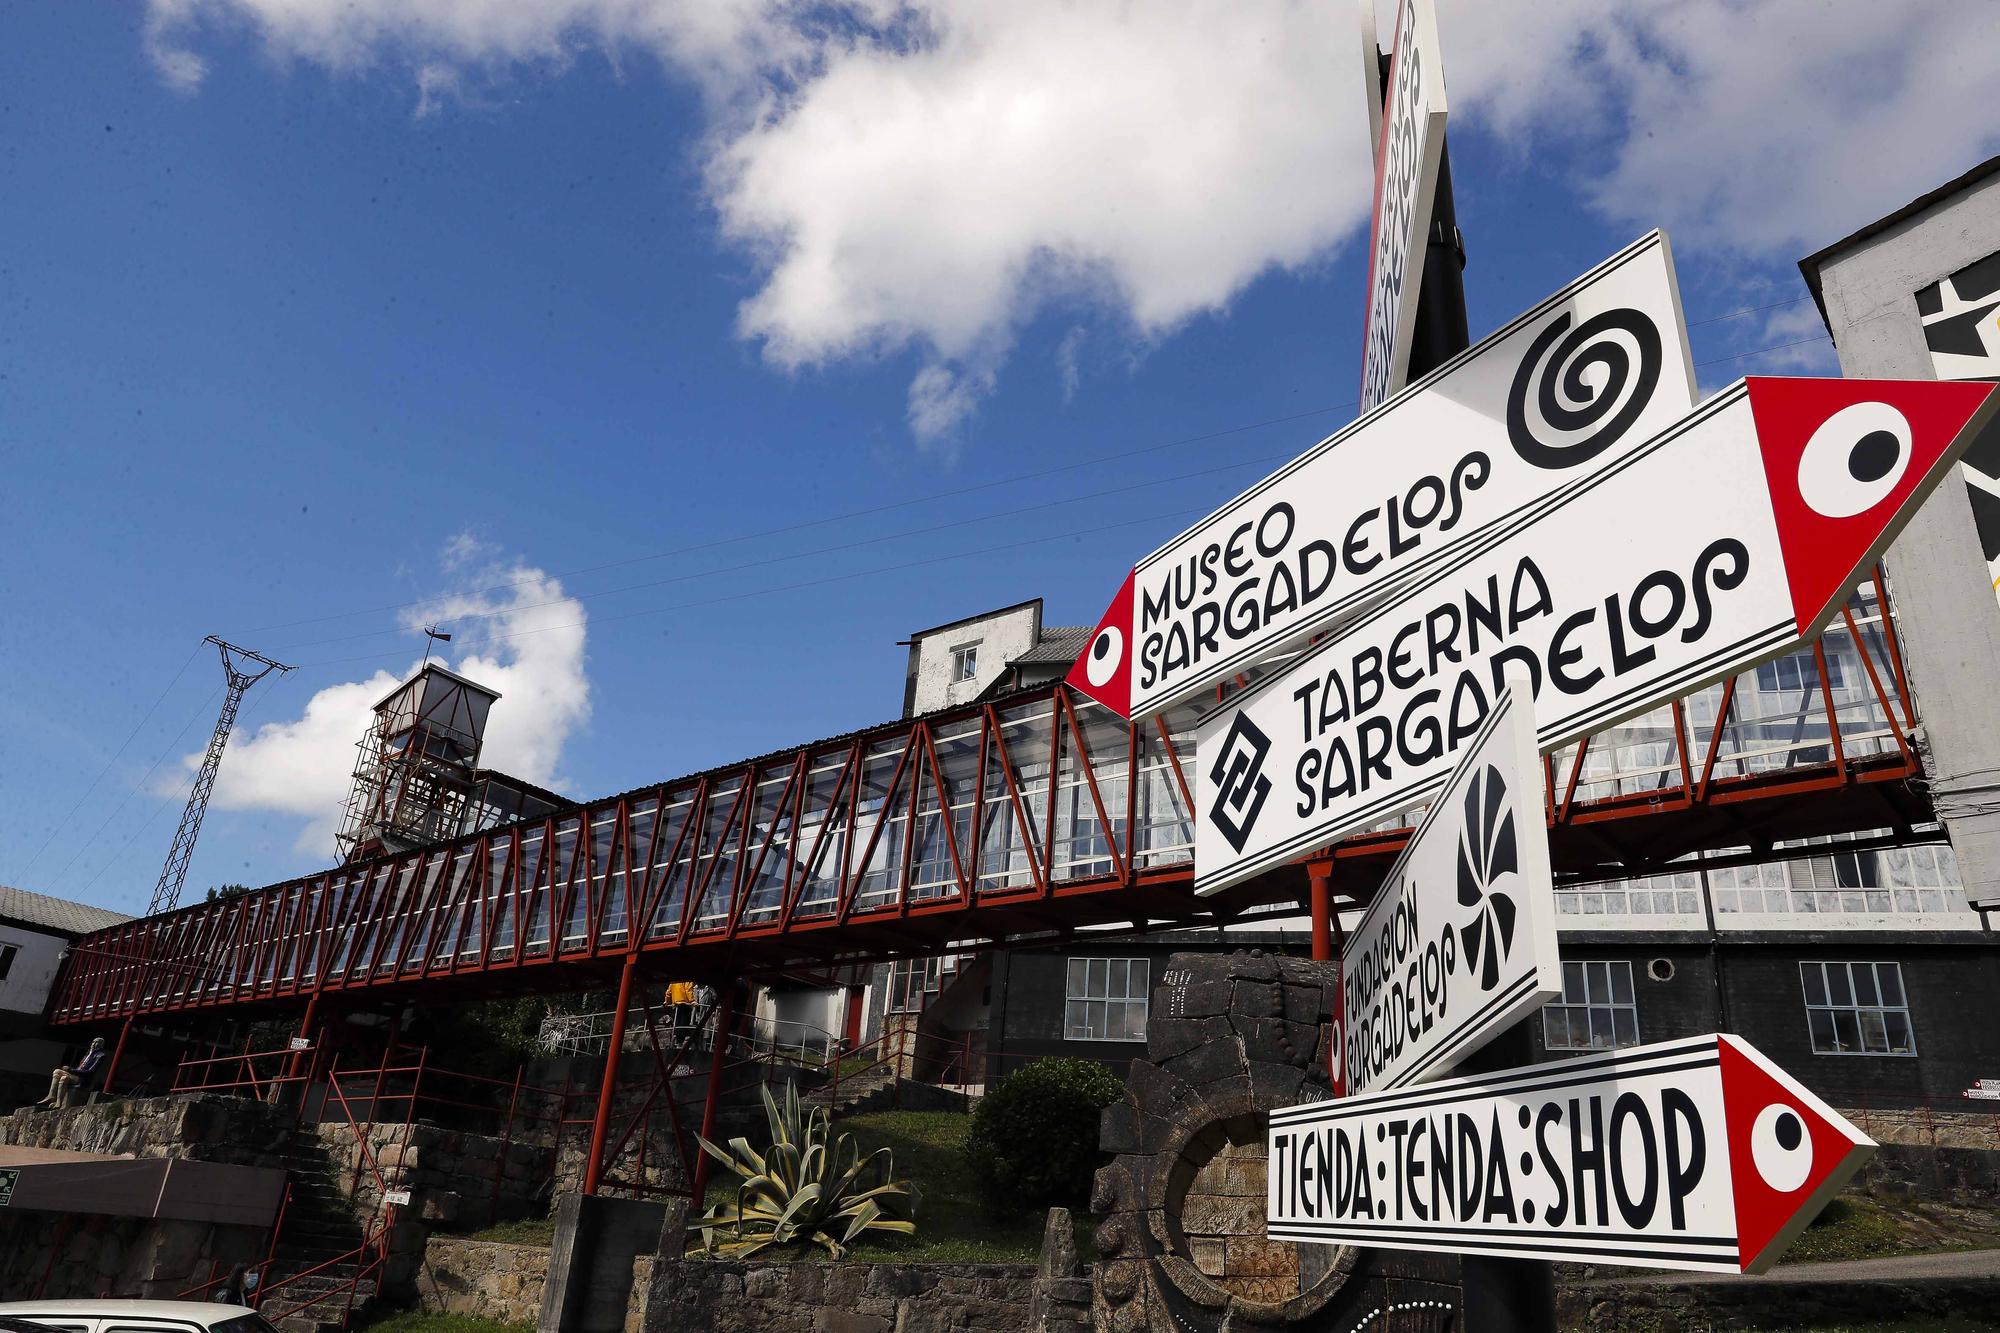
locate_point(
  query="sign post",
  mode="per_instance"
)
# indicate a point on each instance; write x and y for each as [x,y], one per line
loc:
[1723,542]
[1559,394]
[1460,941]
[1407,157]
[1695,1154]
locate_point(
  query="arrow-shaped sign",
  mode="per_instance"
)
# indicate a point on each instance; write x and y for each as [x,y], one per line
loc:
[1697,1154]
[1460,941]
[1723,542]
[1558,394]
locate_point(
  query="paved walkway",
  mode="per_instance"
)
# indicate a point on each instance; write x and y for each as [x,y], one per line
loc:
[1956,1266]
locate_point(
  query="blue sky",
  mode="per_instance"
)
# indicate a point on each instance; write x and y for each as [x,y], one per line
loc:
[308,313]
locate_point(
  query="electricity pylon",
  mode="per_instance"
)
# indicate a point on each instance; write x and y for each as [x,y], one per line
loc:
[167,893]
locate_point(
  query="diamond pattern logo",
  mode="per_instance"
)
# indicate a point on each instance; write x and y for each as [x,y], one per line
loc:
[1240,785]
[1486,852]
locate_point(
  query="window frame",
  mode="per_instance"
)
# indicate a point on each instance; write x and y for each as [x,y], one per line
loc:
[1587,1004]
[1105,1000]
[9,951]
[1854,1006]
[965,662]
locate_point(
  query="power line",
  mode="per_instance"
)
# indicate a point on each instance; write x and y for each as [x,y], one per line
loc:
[120,807]
[151,821]
[1749,310]
[872,510]
[115,755]
[809,583]
[1759,351]
[504,611]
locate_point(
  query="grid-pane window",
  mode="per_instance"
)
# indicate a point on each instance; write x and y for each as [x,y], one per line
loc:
[1857,1009]
[1596,1012]
[909,979]
[1107,999]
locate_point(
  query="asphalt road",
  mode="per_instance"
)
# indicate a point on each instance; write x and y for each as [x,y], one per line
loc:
[1903,1268]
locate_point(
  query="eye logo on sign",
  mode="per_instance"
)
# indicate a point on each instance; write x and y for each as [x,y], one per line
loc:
[1107,655]
[1240,785]
[1781,1148]
[1854,460]
[1576,396]
[1486,851]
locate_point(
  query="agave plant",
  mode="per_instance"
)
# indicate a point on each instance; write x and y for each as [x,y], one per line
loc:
[809,1186]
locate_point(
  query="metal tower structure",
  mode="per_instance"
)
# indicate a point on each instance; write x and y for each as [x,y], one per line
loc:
[418,764]
[167,893]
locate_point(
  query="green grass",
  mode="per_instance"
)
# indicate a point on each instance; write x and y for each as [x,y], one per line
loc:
[929,1148]
[1851,1227]
[413,1321]
[522,1231]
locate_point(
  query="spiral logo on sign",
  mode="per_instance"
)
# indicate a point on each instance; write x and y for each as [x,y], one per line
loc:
[1486,851]
[1578,390]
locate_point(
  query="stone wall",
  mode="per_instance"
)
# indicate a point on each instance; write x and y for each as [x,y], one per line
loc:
[717,1296]
[205,1128]
[57,1255]
[87,1255]
[457,1180]
[1934,1128]
[483,1278]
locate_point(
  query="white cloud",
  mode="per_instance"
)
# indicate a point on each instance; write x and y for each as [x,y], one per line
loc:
[526,641]
[928,178]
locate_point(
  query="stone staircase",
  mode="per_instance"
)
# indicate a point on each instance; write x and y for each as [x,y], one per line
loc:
[320,1227]
[870,1090]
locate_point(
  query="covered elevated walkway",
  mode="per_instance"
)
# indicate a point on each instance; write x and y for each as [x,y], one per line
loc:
[1034,815]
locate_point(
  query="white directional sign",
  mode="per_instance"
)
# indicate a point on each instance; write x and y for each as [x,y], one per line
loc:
[1371,74]
[1460,942]
[1407,157]
[1558,394]
[1697,1154]
[1720,543]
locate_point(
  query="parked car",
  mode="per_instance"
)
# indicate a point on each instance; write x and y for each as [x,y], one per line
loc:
[108,1316]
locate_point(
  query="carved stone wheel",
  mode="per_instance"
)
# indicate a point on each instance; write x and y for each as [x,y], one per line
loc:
[1182,1245]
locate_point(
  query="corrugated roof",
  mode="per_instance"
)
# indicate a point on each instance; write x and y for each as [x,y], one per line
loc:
[58,914]
[1059,643]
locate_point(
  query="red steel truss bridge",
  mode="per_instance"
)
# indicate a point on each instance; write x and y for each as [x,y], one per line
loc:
[1028,817]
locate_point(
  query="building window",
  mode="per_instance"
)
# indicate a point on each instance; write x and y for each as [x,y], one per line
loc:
[7,952]
[965,663]
[1596,1012]
[1107,999]
[1857,1009]
[911,981]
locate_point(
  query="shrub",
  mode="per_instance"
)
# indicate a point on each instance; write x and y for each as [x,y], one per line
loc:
[1034,1137]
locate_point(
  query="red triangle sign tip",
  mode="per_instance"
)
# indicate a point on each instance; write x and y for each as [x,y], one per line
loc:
[1847,462]
[1789,1152]
[1103,670]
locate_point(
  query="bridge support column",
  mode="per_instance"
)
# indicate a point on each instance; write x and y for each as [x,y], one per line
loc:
[1320,875]
[305,1030]
[725,1019]
[600,1127]
[117,1054]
